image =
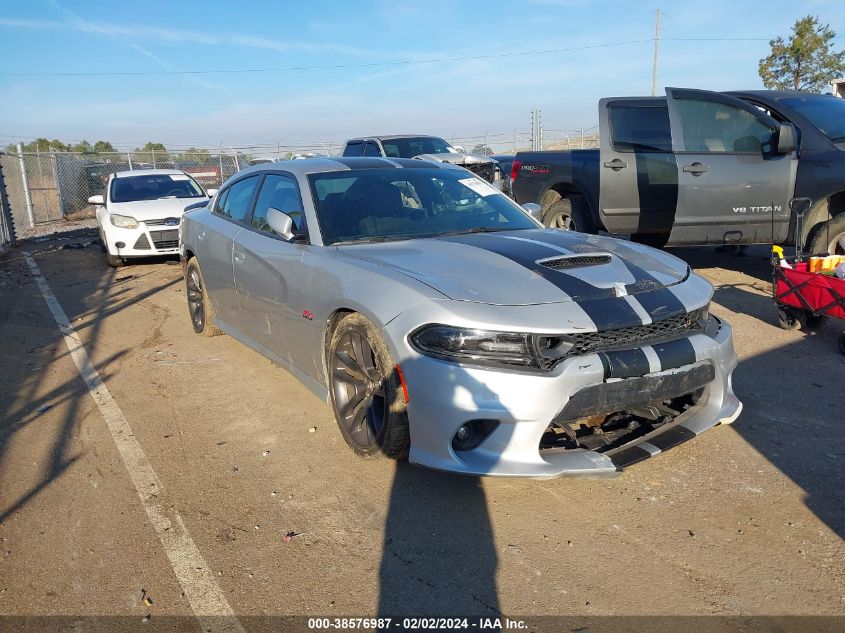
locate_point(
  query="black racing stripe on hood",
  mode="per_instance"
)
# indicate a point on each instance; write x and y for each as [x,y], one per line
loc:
[606,310]
[660,302]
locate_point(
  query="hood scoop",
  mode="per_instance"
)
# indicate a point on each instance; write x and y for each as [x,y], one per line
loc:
[574,261]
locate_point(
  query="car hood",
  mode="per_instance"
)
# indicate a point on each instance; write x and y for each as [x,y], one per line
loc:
[456,158]
[527,267]
[153,209]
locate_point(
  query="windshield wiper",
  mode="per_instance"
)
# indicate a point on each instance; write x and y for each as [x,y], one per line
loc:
[374,239]
[477,229]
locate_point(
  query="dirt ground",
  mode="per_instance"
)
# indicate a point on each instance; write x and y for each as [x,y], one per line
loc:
[746,520]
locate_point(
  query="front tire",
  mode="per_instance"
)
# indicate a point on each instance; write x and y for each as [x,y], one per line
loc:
[828,237]
[115,261]
[366,390]
[570,214]
[200,307]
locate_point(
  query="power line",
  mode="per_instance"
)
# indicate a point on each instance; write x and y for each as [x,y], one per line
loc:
[407,62]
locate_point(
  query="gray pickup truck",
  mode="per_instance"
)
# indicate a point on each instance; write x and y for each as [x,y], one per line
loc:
[699,167]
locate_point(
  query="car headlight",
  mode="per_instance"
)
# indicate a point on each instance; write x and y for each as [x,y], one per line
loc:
[485,347]
[124,221]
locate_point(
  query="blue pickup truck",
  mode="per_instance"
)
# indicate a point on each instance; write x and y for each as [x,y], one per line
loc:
[699,167]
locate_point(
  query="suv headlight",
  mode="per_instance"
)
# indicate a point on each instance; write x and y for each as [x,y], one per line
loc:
[491,348]
[124,221]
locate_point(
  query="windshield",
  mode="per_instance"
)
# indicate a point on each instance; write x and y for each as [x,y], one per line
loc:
[825,112]
[410,147]
[368,205]
[154,187]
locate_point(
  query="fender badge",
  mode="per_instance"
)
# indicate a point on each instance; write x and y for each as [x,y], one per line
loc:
[308,315]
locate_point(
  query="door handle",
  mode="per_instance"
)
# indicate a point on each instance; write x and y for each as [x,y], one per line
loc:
[616,164]
[239,257]
[696,169]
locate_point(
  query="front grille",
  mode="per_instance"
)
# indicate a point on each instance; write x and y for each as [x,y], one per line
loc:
[165,239]
[484,170]
[161,222]
[637,335]
[577,261]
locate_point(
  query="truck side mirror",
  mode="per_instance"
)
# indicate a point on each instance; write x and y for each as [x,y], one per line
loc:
[787,138]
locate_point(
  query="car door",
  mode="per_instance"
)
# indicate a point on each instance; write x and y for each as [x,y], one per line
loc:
[266,266]
[733,186]
[215,239]
[638,184]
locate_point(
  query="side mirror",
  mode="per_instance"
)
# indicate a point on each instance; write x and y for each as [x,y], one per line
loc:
[211,192]
[281,223]
[98,199]
[787,138]
[534,210]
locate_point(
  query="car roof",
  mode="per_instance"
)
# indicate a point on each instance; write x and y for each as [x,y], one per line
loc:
[390,137]
[148,172]
[321,165]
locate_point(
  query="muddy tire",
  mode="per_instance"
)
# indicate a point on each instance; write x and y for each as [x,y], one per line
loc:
[200,307]
[366,390]
[570,214]
[828,237]
[115,261]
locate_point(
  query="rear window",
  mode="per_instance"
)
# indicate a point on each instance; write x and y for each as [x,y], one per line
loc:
[640,128]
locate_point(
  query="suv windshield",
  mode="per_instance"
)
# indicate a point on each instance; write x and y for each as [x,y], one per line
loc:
[410,147]
[154,187]
[825,112]
[368,205]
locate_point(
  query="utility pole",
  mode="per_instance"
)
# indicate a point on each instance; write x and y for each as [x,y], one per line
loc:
[656,51]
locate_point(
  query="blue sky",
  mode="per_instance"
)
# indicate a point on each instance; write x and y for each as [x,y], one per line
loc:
[465,98]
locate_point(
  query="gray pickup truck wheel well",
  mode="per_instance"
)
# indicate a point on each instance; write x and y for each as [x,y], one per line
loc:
[566,190]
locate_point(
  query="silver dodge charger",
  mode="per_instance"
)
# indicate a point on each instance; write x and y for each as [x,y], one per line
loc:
[443,323]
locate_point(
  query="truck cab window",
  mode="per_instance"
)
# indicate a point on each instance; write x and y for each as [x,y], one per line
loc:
[713,127]
[371,149]
[638,128]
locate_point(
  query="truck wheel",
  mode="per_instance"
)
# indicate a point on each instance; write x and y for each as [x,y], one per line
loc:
[569,214]
[828,237]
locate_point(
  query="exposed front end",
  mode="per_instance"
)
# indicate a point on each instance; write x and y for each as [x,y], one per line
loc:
[630,395]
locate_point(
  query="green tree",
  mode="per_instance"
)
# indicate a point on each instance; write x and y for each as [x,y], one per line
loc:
[44,145]
[103,146]
[807,61]
[83,147]
[154,147]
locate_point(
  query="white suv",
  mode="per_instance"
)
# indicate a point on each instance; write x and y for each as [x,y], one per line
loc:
[140,212]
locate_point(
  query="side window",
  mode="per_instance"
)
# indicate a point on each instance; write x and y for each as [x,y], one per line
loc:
[278,192]
[353,148]
[640,128]
[235,201]
[713,127]
[221,201]
[371,149]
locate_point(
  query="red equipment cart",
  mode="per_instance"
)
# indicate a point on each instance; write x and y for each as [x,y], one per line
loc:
[803,298]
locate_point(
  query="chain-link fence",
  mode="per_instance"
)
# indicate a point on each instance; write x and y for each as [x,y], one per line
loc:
[44,187]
